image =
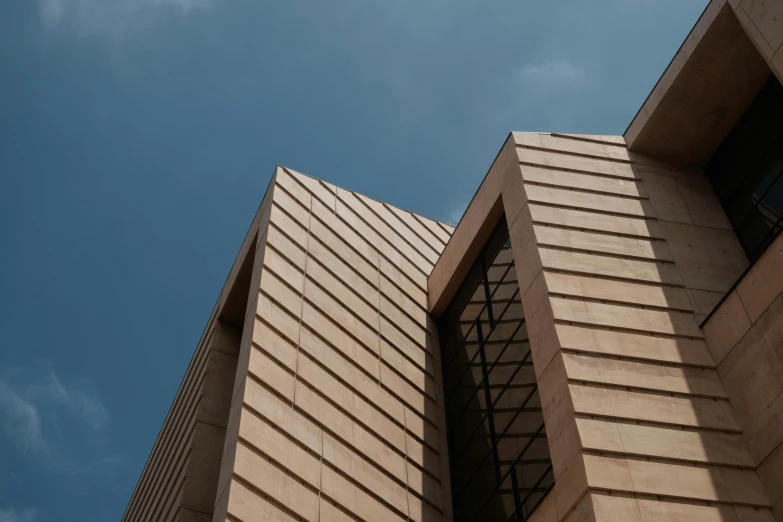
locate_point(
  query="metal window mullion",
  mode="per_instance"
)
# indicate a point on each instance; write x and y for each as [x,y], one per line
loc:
[488,399]
[519,410]
[505,309]
[742,224]
[494,447]
[768,238]
[543,496]
[455,322]
[511,379]
[538,482]
[487,295]
[462,376]
[459,346]
[465,340]
[502,278]
[515,491]
[502,391]
[516,461]
[476,389]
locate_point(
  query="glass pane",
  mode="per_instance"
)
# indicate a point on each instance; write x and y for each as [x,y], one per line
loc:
[746,172]
[500,462]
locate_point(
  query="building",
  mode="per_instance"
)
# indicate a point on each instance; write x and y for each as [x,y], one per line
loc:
[599,339]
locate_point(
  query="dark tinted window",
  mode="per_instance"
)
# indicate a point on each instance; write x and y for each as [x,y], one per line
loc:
[745,172]
[500,464]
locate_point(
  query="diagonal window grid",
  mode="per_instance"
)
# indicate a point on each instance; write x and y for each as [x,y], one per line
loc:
[500,464]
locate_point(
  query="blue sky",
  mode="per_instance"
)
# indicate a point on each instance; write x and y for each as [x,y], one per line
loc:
[136,141]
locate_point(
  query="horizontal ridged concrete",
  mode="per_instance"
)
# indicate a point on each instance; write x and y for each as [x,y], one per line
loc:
[336,412]
[619,257]
[624,256]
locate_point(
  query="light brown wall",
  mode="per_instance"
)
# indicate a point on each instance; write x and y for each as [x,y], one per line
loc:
[744,335]
[630,255]
[337,408]
[745,338]
[702,93]
[619,258]
[762,21]
[336,412]
[718,70]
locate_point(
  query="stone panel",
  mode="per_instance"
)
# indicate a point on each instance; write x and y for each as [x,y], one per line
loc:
[620,276]
[340,413]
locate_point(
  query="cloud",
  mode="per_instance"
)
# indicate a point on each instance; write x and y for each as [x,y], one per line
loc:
[82,404]
[552,73]
[21,422]
[41,394]
[12,515]
[112,18]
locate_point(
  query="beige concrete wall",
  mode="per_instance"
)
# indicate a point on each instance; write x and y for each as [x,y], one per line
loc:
[327,405]
[745,338]
[630,256]
[762,21]
[716,73]
[336,412]
[744,335]
[700,96]
[619,258]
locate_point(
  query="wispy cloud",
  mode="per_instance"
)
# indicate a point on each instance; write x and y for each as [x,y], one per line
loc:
[41,394]
[21,423]
[13,515]
[81,403]
[112,18]
[552,73]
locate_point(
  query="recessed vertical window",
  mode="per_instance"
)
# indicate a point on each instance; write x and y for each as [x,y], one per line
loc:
[746,172]
[500,464]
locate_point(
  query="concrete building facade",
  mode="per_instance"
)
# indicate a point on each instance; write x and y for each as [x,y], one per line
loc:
[599,339]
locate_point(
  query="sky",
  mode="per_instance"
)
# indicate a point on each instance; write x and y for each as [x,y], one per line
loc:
[137,138]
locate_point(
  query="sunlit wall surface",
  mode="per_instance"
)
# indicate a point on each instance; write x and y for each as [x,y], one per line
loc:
[500,464]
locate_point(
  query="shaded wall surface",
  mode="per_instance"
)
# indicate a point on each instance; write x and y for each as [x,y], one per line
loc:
[745,338]
[336,411]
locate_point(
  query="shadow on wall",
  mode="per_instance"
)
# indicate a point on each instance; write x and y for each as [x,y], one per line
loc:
[745,337]
[632,255]
[681,433]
